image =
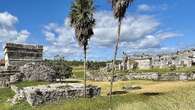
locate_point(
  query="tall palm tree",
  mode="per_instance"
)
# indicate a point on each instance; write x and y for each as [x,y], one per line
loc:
[82,20]
[119,8]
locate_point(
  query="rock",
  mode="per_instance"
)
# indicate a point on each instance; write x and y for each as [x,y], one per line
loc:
[16,77]
[18,96]
[169,77]
[38,71]
[4,82]
[183,76]
[143,76]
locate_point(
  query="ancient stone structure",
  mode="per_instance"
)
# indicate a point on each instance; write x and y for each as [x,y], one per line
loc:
[15,57]
[38,71]
[169,76]
[102,75]
[5,77]
[185,58]
[18,54]
[54,92]
[162,77]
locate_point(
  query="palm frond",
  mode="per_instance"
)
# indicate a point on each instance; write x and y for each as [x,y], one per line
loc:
[82,20]
[119,8]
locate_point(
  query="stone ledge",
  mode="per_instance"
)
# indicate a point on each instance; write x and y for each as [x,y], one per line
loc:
[37,95]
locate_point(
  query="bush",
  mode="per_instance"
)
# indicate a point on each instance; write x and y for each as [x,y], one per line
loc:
[172,67]
[61,68]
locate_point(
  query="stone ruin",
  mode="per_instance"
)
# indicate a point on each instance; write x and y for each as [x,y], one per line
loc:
[37,95]
[172,76]
[104,75]
[24,62]
[17,55]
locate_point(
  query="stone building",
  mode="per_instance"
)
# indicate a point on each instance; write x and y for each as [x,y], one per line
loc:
[17,55]
[185,58]
[144,63]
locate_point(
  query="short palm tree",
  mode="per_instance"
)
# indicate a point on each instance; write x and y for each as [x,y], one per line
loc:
[82,20]
[119,8]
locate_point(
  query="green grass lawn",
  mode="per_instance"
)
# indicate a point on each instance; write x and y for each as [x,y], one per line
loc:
[176,95]
[30,83]
[78,72]
[5,93]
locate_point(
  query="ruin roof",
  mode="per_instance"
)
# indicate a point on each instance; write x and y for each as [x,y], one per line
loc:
[23,46]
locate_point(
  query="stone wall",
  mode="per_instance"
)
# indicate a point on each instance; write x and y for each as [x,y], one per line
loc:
[157,76]
[38,71]
[4,82]
[142,76]
[102,75]
[54,92]
[5,77]
[18,54]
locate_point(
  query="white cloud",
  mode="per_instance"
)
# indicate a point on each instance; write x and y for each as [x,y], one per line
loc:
[144,8]
[133,28]
[61,40]
[8,32]
[7,20]
[137,32]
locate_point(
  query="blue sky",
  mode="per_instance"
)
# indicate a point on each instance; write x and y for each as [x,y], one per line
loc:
[149,26]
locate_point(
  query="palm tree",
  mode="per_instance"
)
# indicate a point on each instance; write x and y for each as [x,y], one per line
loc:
[82,20]
[119,8]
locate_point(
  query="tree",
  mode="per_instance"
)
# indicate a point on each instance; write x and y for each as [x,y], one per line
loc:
[60,66]
[119,8]
[82,20]
[173,67]
[135,66]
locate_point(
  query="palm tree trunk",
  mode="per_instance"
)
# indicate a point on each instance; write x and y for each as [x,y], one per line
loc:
[114,60]
[85,60]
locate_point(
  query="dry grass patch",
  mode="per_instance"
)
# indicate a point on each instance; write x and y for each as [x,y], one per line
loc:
[147,86]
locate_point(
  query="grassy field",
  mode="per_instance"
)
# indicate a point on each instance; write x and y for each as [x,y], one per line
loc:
[154,95]
[30,83]
[175,95]
[78,72]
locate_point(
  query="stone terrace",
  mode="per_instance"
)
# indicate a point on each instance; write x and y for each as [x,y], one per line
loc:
[37,95]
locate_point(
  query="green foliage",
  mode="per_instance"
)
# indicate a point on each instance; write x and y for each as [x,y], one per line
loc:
[172,67]
[119,8]
[74,63]
[135,66]
[78,72]
[93,65]
[60,66]
[82,20]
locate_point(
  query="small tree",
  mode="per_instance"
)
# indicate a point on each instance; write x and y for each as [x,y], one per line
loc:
[135,66]
[172,67]
[61,68]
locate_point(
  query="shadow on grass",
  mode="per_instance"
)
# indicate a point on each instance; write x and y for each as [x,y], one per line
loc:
[152,93]
[118,92]
[70,81]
